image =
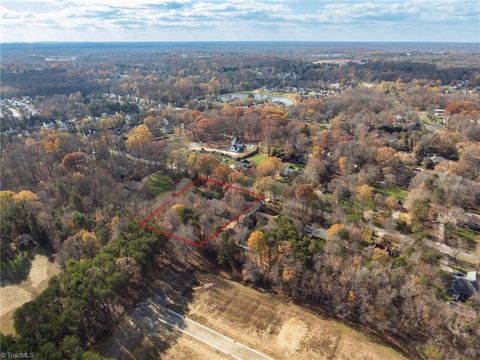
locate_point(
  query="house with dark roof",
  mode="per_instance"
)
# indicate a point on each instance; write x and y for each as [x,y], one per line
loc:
[289,172]
[237,145]
[462,287]
[315,232]
[23,240]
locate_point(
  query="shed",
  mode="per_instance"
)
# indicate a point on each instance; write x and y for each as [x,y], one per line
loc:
[23,240]
[314,232]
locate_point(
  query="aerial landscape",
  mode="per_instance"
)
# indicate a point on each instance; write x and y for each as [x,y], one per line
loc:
[240,180]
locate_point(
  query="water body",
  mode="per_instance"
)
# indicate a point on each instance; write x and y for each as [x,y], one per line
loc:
[258,97]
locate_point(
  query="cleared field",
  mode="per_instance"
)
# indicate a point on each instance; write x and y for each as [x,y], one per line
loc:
[274,327]
[279,329]
[14,296]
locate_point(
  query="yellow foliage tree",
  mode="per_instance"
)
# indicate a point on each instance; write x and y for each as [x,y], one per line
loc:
[288,273]
[6,194]
[6,197]
[391,202]
[317,152]
[335,230]
[178,209]
[337,123]
[52,142]
[139,136]
[90,243]
[115,227]
[379,254]
[256,241]
[343,164]
[365,193]
[107,123]
[269,166]
[25,195]
[191,161]
[263,185]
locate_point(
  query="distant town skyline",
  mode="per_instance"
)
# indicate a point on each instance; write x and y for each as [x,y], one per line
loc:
[240,20]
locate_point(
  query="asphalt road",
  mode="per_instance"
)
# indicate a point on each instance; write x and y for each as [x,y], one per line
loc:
[155,313]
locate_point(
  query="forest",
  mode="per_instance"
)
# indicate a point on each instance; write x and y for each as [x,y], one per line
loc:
[370,195]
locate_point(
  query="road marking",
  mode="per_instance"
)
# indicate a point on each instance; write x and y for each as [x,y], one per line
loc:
[217,333]
[185,321]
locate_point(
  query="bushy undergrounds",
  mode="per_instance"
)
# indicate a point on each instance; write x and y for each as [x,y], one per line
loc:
[395,297]
[185,215]
[85,300]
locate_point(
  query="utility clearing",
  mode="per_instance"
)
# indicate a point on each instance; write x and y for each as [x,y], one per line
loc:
[276,328]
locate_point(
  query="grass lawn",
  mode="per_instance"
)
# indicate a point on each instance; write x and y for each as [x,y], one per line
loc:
[423,117]
[469,235]
[353,208]
[226,160]
[295,166]
[399,193]
[366,85]
[258,158]
[159,183]
[291,96]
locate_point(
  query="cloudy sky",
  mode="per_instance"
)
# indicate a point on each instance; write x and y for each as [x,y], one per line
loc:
[193,20]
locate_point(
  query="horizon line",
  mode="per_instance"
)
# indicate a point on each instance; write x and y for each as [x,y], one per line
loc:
[237,41]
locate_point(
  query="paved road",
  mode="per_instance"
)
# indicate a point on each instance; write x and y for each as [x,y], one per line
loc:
[154,313]
[443,248]
[459,254]
[198,147]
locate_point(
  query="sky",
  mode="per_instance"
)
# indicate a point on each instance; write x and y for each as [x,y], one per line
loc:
[240,20]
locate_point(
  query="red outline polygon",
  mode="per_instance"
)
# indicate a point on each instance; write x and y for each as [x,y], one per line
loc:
[183,190]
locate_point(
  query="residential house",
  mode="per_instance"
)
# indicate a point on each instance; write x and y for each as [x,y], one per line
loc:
[289,172]
[23,240]
[243,165]
[315,232]
[462,287]
[237,145]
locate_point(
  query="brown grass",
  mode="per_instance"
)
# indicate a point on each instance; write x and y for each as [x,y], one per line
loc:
[14,296]
[277,328]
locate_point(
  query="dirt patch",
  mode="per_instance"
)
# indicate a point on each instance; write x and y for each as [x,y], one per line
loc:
[41,269]
[267,324]
[14,296]
[292,333]
[277,328]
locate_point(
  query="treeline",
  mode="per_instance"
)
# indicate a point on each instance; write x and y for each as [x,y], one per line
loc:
[49,81]
[407,71]
[179,80]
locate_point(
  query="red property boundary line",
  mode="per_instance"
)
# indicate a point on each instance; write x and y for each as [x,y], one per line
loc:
[186,188]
